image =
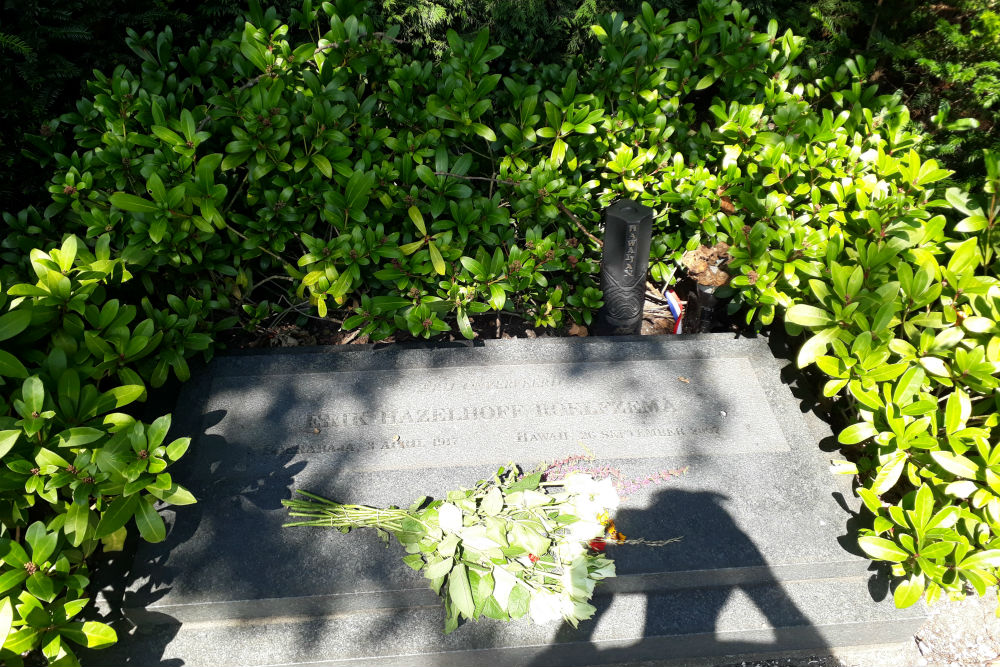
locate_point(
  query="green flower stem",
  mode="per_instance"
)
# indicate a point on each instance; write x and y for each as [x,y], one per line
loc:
[322,512]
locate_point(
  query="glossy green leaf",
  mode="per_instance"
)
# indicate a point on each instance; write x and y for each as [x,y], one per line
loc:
[436,259]
[127,202]
[11,366]
[117,515]
[909,591]
[7,440]
[856,433]
[418,220]
[41,586]
[956,465]
[879,548]
[323,164]
[12,578]
[177,448]
[78,436]
[988,558]
[42,542]
[13,323]
[175,495]
[91,634]
[6,619]
[889,473]
[149,522]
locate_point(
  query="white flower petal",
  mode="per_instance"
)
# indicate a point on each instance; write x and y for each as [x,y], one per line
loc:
[450,518]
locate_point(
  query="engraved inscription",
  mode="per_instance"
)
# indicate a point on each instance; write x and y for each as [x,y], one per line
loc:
[631,243]
[468,415]
[486,413]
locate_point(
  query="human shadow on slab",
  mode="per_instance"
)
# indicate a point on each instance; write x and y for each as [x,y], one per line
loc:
[723,600]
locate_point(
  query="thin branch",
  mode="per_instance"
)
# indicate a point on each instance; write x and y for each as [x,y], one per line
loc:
[259,247]
[269,279]
[378,35]
[579,224]
[477,178]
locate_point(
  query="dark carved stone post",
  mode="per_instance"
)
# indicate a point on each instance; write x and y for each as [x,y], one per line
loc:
[628,228]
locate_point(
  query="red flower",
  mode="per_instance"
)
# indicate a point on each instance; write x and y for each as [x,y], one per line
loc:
[597,544]
[533,558]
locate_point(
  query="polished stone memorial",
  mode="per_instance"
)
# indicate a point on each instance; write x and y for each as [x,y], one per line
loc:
[765,563]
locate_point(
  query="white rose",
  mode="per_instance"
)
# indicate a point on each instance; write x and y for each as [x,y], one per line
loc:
[545,607]
[450,518]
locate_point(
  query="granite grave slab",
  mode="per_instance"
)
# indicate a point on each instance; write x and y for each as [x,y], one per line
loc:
[757,507]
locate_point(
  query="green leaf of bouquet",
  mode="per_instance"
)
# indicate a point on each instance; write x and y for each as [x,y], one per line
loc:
[460,591]
[415,561]
[520,598]
[482,590]
[450,617]
[493,502]
[439,568]
[492,609]
[529,482]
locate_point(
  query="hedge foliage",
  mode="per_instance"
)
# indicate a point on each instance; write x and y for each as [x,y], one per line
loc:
[324,166]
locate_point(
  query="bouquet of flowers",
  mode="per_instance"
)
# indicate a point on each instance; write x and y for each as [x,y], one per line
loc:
[512,546]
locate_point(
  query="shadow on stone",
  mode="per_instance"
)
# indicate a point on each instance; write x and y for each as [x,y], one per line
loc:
[745,610]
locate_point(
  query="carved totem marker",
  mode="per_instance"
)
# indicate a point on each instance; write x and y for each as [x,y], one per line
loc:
[628,229]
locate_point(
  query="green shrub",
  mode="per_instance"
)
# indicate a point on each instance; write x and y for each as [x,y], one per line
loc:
[76,470]
[943,57]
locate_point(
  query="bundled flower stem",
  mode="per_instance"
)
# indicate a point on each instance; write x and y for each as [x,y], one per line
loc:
[512,546]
